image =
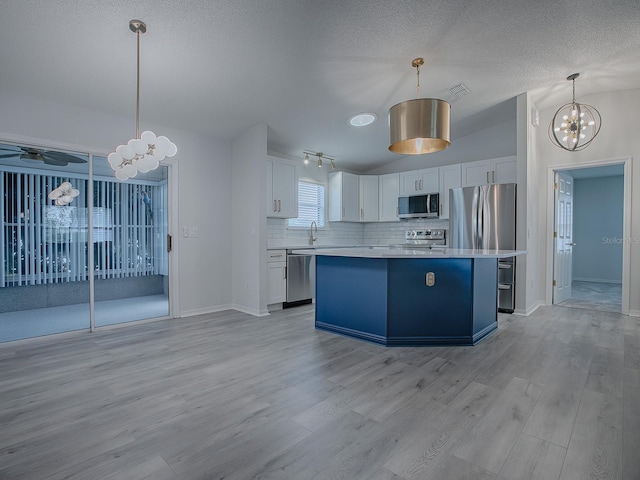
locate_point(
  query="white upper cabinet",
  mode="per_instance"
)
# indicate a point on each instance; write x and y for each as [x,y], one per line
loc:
[368,190]
[417,182]
[505,170]
[282,188]
[497,170]
[344,197]
[388,191]
[450,177]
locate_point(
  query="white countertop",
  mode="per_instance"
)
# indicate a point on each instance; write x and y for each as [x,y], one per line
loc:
[314,246]
[408,252]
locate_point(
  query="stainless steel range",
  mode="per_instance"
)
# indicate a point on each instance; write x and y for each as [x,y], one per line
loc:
[426,238]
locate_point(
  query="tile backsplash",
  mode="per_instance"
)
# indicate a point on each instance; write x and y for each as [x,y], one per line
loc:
[346,233]
[389,233]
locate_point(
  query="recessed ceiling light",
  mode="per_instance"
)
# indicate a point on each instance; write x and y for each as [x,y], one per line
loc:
[362,119]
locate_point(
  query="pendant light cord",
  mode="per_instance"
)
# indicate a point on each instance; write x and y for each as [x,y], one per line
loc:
[418,74]
[138,87]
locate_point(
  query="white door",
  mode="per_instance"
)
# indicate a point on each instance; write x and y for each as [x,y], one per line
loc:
[563,236]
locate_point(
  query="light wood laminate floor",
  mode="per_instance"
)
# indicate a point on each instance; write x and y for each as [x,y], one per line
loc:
[552,396]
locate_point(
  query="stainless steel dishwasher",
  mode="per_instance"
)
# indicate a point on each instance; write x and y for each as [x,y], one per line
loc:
[301,279]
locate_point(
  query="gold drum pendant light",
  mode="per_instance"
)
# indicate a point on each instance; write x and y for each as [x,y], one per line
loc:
[420,126]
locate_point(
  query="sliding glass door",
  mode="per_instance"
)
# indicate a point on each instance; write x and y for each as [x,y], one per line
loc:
[130,261]
[71,233]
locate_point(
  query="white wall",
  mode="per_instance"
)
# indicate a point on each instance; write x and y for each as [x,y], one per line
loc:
[597,229]
[493,142]
[248,224]
[204,176]
[617,140]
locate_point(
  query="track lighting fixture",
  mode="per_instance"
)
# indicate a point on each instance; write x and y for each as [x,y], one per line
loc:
[321,156]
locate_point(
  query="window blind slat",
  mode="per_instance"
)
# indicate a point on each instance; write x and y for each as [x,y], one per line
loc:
[310,205]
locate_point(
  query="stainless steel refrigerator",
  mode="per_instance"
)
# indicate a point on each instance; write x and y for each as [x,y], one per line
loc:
[484,217]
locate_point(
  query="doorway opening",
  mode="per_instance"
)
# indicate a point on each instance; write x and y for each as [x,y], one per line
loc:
[589,226]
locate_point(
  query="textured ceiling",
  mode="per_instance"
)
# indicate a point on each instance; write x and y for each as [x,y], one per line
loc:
[304,67]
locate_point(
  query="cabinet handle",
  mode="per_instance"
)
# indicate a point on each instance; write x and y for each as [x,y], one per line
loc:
[362,213]
[440,211]
[276,256]
[488,179]
[275,205]
[415,184]
[420,184]
[279,206]
[493,176]
[397,212]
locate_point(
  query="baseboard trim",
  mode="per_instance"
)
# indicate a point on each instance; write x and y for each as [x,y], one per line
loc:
[221,308]
[204,311]
[250,311]
[529,310]
[634,313]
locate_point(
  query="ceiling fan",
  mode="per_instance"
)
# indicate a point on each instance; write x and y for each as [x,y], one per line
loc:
[34,155]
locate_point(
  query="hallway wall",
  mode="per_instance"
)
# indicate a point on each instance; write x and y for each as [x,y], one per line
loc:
[597,229]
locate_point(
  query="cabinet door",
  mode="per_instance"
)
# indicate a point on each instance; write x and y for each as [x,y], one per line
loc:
[350,197]
[344,197]
[276,282]
[450,177]
[504,170]
[272,205]
[429,180]
[476,173]
[285,189]
[389,191]
[410,183]
[368,189]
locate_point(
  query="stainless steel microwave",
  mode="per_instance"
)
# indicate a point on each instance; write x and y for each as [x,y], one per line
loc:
[419,206]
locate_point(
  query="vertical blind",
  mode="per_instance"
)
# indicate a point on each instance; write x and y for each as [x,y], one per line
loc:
[44,243]
[310,205]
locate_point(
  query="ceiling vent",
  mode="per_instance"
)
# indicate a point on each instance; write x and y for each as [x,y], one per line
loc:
[457,92]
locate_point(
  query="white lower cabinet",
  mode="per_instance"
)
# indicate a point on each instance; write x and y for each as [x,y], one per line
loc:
[276,276]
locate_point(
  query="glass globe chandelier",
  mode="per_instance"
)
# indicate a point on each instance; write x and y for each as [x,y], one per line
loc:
[144,152]
[574,125]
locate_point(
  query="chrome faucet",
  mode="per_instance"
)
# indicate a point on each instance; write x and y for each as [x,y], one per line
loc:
[311,237]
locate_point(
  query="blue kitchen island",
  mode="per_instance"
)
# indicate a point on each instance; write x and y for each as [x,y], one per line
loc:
[404,297]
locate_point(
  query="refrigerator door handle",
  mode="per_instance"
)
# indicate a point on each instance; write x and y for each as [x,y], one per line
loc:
[474,218]
[481,220]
